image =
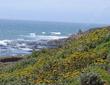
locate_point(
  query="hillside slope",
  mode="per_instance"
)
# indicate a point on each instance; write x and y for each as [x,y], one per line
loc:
[88,52]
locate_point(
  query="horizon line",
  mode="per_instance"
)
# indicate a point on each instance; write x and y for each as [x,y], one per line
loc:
[52,21]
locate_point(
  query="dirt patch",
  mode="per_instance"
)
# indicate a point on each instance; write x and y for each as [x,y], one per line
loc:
[12,59]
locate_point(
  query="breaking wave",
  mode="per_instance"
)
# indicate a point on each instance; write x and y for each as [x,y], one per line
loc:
[25,44]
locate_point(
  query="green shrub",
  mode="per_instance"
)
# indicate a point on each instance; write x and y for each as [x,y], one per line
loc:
[91,79]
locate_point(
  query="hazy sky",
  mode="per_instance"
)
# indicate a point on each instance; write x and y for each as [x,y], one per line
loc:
[87,11]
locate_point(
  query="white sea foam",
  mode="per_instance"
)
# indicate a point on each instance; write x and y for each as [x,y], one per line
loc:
[21,45]
[46,37]
[32,34]
[43,33]
[26,43]
[55,33]
[4,42]
[26,49]
[41,37]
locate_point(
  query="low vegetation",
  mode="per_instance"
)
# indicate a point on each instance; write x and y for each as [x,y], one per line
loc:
[84,59]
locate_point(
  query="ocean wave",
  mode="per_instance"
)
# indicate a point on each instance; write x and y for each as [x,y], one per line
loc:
[26,44]
[26,49]
[32,35]
[55,33]
[41,37]
[32,39]
[43,33]
[54,36]
[4,42]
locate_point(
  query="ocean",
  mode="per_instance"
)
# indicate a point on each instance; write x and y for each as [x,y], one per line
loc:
[18,37]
